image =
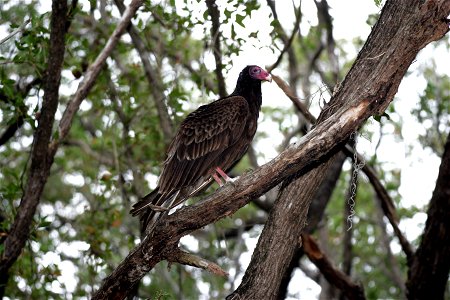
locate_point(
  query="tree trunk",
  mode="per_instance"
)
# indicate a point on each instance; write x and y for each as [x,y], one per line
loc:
[428,275]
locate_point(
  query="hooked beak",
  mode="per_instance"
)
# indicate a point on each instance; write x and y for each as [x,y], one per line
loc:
[265,76]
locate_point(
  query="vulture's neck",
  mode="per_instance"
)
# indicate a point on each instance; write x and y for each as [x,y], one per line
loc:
[251,91]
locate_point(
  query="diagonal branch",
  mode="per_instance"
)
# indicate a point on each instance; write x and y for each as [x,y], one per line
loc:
[188,259]
[287,43]
[386,202]
[91,75]
[168,230]
[334,276]
[154,84]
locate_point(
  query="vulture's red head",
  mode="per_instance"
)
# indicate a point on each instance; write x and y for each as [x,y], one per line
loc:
[249,84]
[258,73]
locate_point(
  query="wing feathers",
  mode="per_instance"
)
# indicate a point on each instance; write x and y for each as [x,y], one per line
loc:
[202,137]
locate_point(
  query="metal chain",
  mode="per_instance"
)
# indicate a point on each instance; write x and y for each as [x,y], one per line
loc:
[357,166]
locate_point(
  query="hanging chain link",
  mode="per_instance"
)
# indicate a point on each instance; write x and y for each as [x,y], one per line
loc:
[357,166]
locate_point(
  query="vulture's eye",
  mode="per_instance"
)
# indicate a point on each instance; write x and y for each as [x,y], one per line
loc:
[256,70]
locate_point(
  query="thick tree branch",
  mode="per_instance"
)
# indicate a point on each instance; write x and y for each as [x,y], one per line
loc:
[40,161]
[314,214]
[213,11]
[168,230]
[386,202]
[428,274]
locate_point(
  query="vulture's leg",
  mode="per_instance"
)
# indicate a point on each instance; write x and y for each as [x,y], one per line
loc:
[217,179]
[225,176]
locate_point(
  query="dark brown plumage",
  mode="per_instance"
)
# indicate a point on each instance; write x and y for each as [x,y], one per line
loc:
[211,139]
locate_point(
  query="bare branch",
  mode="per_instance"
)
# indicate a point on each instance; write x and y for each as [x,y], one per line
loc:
[288,43]
[92,73]
[154,83]
[185,258]
[296,100]
[15,31]
[334,276]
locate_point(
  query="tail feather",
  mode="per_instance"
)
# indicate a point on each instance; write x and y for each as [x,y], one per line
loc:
[147,200]
[145,208]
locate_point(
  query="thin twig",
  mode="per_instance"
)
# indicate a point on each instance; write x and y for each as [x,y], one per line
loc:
[150,72]
[92,73]
[295,100]
[16,31]
[288,43]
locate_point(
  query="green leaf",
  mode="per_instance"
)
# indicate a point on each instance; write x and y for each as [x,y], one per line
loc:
[240,19]
[233,32]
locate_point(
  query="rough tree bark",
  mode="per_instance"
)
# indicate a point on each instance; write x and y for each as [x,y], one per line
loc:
[40,161]
[404,28]
[428,275]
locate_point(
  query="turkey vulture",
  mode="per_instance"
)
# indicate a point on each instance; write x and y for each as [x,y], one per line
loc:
[209,142]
